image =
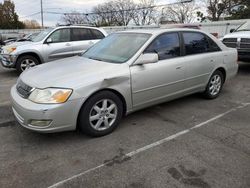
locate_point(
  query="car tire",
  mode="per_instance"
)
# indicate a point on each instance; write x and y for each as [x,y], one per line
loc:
[214,85]
[25,62]
[101,114]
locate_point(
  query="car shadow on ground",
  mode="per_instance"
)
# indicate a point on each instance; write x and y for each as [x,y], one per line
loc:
[8,73]
[244,68]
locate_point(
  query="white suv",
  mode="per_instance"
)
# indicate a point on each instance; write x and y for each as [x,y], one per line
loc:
[51,44]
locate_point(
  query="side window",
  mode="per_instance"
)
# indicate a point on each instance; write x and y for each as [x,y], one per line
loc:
[166,45]
[213,46]
[80,34]
[61,35]
[195,43]
[97,34]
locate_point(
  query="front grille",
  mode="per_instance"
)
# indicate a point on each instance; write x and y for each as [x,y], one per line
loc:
[245,40]
[231,45]
[245,43]
[230,42]
[244,46]
[23,89]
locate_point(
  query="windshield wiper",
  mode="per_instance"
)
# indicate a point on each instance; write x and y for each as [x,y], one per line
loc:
[94,58]
[243,30]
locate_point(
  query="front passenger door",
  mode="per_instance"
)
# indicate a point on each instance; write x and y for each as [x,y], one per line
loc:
[156,82]
[58,45]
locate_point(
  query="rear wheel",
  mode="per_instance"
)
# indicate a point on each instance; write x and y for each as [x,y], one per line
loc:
[101,114]
[26,62]
[214,85]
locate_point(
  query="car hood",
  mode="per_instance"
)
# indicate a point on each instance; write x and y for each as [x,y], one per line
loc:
[239,34]
[71,72]
[17,44]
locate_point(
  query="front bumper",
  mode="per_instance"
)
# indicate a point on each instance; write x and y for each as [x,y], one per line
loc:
[244,55]
[8,61]
[63,116]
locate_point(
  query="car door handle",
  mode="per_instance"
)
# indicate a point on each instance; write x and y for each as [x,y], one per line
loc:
[212,61]
[178,68]
[90,42]
[68,44]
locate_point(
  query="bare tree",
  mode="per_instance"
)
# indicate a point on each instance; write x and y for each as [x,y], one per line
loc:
[75,18]
[124,10]
[116,12]
[216,8]
[31,24]
[181,12]
[104,15]
[145,13]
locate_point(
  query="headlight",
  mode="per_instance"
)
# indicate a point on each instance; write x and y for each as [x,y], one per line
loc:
[50,95]
[10,49]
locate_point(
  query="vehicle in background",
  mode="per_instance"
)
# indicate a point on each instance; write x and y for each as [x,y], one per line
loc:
[9,41]
[10,36]
[122,73]
[240,39]
[28,37]
[51,44]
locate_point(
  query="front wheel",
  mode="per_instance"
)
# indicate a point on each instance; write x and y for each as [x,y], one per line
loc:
[214,85]
[26,62]
[100,114]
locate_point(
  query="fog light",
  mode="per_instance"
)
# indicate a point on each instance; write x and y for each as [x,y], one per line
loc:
[40,123]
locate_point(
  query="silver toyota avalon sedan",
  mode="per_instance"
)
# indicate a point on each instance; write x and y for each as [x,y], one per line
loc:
[124,72]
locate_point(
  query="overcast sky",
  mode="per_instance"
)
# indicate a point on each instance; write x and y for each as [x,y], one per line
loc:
[25,8]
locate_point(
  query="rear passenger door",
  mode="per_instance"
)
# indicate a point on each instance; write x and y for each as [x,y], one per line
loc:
[201,56]
[83,38]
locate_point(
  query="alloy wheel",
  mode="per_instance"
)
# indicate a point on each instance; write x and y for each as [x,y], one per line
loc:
[27,63]
[103,114]
[215,85]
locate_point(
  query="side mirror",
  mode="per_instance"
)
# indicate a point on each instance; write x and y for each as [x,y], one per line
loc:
[147,58]
[232,30]
[49,40]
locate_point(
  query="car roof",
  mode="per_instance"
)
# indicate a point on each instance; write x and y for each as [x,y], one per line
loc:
[158,31]
[77,26]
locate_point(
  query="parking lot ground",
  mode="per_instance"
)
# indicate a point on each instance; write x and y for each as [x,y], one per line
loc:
[189,142]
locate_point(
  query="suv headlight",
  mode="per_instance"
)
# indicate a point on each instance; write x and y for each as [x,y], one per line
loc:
[50,95]
[11,49]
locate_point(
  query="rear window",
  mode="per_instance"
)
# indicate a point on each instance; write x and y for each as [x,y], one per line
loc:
[195,43]
[97,34]
[80,34]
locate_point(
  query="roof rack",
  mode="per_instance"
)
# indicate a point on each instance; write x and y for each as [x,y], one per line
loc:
[90,25]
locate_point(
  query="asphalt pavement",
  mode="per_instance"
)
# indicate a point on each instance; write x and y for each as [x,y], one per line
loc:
[189,142]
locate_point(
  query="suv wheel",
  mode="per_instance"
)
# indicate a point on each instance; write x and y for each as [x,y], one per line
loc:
[25,62]
[214,85]
[101,114]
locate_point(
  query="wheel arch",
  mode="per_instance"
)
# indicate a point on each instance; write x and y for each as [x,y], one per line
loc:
[223,71]
[122,98]
[34,54]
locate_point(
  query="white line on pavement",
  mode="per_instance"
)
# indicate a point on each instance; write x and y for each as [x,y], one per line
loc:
[157,143]
[6,103]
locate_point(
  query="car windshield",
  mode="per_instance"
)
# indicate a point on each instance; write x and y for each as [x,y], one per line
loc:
[244,27]
[117,48]
[42,35]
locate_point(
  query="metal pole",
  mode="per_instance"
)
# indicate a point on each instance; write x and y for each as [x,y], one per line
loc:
[42,12]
